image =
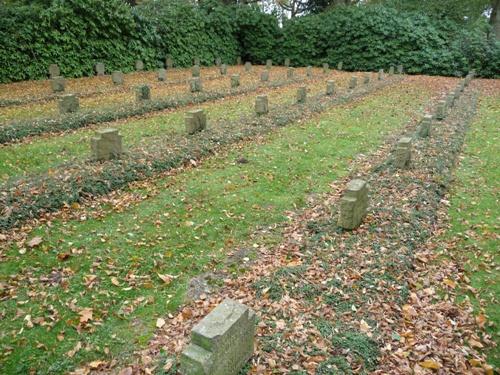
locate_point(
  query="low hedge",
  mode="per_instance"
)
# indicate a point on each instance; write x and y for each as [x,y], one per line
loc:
[31,197]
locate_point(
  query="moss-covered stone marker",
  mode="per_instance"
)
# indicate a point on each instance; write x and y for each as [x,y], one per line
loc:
[380,75]
[261,105]
[195,71]
[117,77]
[287,62]
[301,94]
[222,342]
[441,110]
[402,154]
[290,73]
[58,84]
[235,80]
[248,66]
[195,84]
[264,76]
[340,65]
[106,144]
[162,75]
[139,65]
[54,71]
[353,204]
[142,92]
[353,82]
[424,129]
[269,63]
[330,87]
[223,69]
[69,104]
[195,121]
[99,69]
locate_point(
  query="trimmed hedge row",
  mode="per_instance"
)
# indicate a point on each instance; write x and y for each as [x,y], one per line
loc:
[21,129]
[72,183]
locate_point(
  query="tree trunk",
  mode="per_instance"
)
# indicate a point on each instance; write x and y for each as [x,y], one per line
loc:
[495,18]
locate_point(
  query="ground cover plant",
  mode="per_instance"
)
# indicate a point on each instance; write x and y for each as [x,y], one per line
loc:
[94,281]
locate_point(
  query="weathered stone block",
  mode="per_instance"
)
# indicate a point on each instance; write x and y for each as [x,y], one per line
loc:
[400,69]
[261,105]
[264,76]
[222,342]
[99,69]
[169,62]
[391,70]
[196,61]
[330,88]
[58,84]
[287,62]
[424,129]
[353,204]
[139,65]
[450,100]
[54,71]
[223,69]
[235,80]
[366,78]
[301,94]
[218,61]
[353,82]
[340,65]
[195,121]
[238,60]
[142,92]
[117,77]
[326,68]
[269,63]
[195,71]
[195,84]
[248,66]
[381,75]
[162,75]
[441,110]
[402,154]
[106,144]
[290,72]
[309,72]
[68,104]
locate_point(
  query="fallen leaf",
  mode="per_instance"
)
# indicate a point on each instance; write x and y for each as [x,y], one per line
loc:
[430,364]
[35,241]
[85,315]
[160,322]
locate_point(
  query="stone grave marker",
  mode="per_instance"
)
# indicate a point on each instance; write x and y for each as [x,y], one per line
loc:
[330,87]
[353,82]
[248,66]
[99,69]
[450,99]
[269,63]
[54,71]
[287,62]
[222,342]
[381,75]
[402,155]
[162,75]
[301,94]
[195,84]
[238,60]
[195,71]
[58,84]
[195,121]
[441,110]
[139,65]
[340,65]
[264,76]
[235,80]
[169,62]
[326,68]
[142,92]
[69,104]
[223,69]
[391,70]
[290,72]
[309,72]
[424,129]
[218,61]
[117,77]
[353,204]
[400,69]
[106,144]
[366,78]
[196,61]
[261,105]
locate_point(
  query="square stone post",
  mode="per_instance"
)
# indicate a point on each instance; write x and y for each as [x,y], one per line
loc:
[381,74]
[353,82]
[139,65]
[264,76]
[366,78]
[391,70]
[269,63]
[238,60]
[69,104]
[222,342]
[287,62]
[353,204]
[218,61]
[402,155]
[235,80]
[169,62]
[261,105]
[196,61]
[340,65]
[54,71]
[58,84]
[162,75]
[441,110]
[195,71]
[289,73]
[117,77]
[195,121]
[106,144]
[425,127]
[309,72]
[326,68]
[223,69]
[195,84]
[248,66]
[330,87]
[400,69]
[142,92]
[301,94]
[99,69]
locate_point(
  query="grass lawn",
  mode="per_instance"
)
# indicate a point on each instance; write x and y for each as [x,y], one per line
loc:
[94,288]
[474,214]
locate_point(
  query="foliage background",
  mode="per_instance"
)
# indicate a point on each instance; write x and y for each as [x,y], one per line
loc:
[76,34]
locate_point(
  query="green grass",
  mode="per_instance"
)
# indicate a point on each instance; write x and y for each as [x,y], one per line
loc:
[474,214]
[43,153]
[183,228]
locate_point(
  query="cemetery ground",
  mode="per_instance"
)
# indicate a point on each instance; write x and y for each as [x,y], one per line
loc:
[113,282]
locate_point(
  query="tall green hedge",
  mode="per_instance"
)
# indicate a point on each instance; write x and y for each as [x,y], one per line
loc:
[78,33]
